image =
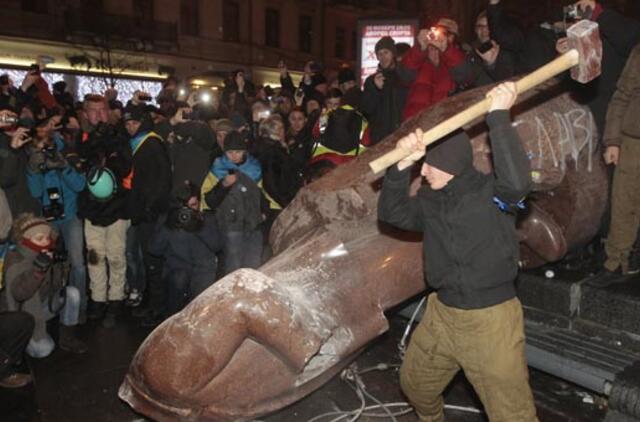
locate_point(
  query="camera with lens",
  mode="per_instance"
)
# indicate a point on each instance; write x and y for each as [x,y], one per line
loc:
[185,218]
[50,154]
[144,98]
[55,209]
[573,12]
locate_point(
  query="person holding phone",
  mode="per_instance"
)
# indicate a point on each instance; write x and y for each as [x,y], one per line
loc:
[433,55]
[485,63]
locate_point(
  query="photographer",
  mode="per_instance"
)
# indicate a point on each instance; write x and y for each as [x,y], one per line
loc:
[433,56]
[188,240]
[486,62]
[385,92]
[103,206]
[13,163]
[35,274]
[191,145]
[16,328]
[56,185]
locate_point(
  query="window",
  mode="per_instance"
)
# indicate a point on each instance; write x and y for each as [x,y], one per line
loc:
[231,20]
[143,10]
[189,17]
[305,34]
[272,28]
[36,6]
[341,40]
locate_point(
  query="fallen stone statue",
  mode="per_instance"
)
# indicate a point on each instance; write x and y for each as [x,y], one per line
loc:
[256,341]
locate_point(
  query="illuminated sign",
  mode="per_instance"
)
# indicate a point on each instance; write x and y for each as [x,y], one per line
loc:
[370,32]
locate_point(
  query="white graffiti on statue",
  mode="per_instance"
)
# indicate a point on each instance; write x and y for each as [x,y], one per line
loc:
[574,130]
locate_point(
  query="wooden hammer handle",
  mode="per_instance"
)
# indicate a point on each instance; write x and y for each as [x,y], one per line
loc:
[546,72]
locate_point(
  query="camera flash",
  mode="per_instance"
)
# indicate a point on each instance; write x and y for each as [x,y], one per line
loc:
[205,97]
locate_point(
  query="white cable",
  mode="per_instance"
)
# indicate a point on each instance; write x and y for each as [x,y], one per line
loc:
[402,346]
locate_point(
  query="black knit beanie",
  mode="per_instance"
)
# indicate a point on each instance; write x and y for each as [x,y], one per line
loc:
[452,154]
[386,43]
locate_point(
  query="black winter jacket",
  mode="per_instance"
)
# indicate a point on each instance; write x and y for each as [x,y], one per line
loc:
[151,184]
[383,107]
[470,246]
[114,153]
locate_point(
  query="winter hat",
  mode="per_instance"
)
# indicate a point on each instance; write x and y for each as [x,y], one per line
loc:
[27,226]
[449,24]
[318,79]
[224,125]
[346,75]
[133,113]
[452,154]
[386,43]
[234,142]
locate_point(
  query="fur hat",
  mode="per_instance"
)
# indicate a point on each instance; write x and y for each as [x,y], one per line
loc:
[386,43]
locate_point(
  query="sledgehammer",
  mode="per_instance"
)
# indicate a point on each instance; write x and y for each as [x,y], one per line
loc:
[583,58]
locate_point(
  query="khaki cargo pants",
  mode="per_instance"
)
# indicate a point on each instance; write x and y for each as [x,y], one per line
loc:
[625,206]
[488,344]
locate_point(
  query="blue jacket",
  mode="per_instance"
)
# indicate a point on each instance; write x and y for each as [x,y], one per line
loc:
[67,180]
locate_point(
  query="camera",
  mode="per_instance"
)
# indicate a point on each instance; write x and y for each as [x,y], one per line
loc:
[185,218]
[55,209]
[144,98]
[264,114]
[191,115]
[8,119]
[573,12]
[34,69]
[485,46]
[433,34]
[50,154]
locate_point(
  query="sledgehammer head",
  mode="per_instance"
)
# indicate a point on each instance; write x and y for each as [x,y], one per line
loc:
[584,36]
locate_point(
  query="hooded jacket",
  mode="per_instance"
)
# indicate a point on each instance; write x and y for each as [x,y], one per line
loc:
[470,246]
[151,181]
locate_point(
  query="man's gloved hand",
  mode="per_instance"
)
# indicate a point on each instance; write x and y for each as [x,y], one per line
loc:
[42,262]
[36,161]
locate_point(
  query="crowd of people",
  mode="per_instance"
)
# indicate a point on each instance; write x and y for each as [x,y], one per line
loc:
[121,203]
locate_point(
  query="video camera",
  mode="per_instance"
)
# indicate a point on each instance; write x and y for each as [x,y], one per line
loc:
[573,12]
[55,209]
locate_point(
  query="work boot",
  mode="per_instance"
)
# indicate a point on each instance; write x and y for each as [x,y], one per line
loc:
[68,341]
[16,380]
[605,278]
[96,310]
[114,310]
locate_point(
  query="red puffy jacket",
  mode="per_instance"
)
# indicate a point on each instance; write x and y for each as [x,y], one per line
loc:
[432,84]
